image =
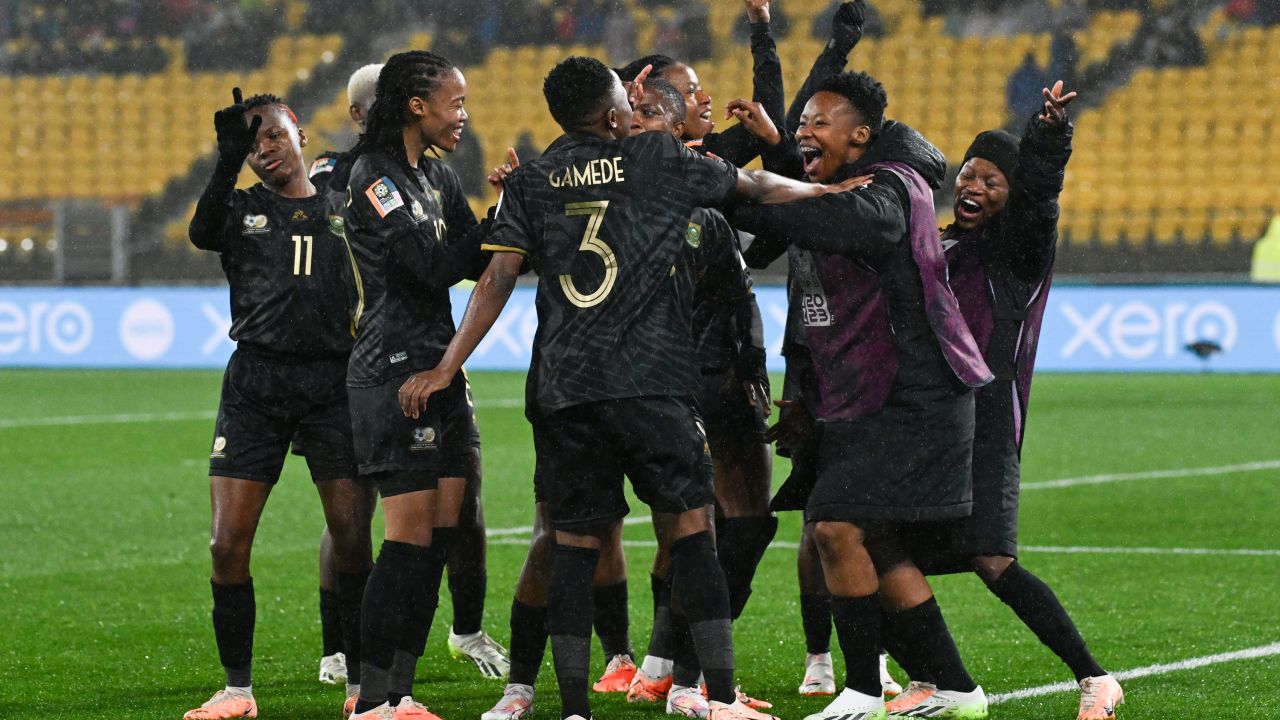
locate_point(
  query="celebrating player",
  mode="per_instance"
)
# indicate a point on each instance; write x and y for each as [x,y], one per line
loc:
[1000,251]
[893,366]
[409,228]
[281,249]
[615,360]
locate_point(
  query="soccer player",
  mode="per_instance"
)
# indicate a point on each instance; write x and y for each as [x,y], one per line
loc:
[894,366]
[282,250]
[466,565]
[1000,251]
[410,230]
[615,364]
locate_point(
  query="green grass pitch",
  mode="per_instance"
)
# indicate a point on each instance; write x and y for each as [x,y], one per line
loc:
[105,598]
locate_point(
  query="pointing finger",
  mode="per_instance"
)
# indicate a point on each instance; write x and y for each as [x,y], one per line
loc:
[236,96]
[515,159]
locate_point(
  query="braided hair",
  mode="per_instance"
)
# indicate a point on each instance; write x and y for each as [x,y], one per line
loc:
[417,73]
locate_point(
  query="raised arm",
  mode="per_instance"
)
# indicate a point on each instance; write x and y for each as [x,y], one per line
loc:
[738,144]
[235,141]
[1031,231]
[846,31]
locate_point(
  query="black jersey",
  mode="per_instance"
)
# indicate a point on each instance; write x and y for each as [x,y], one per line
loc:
[412,237]
[727,331]
[330,171]
[604,223]
[287,264]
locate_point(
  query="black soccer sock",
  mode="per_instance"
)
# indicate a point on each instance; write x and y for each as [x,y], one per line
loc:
[350,595]
[330,623]
[569,620]
[399,604]
[234,612]
[895,636]
[467,589]
[685,668]
[611,622]
[528,642]
[1039,608]
[815,616]
[400,677]
[924,631]
[857,622]
[698,581]
[740,545]
[661,644]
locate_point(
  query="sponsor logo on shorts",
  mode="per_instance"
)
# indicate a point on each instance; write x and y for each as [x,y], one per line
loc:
[255,225]
[399,357]
[424,438]
[219,445]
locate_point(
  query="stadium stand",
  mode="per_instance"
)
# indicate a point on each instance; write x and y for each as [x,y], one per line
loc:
[1168,158]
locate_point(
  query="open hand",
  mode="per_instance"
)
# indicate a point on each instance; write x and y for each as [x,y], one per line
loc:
[420,386]
[853,183]
[1055,104]
[757,10]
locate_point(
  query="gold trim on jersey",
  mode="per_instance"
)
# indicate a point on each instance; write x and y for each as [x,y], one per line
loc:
[502,248]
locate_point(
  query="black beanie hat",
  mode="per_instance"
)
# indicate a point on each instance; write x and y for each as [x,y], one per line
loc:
[998,147]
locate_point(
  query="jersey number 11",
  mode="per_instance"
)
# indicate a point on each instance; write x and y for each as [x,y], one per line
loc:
[299,266]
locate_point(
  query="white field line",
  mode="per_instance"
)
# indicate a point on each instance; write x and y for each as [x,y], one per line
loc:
[1252,653]
[1154,475]
[503,537]
[125,418]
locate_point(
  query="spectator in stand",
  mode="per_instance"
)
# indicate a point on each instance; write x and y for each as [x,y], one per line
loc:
[526,149]
[1022,94]
[1064,57]
[1174,43]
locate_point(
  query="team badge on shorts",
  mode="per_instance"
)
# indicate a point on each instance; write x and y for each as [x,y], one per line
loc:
[424,438]
[385,196]
[693,235]
[219,445]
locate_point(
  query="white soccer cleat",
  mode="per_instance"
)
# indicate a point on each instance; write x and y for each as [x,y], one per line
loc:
[515,703]
[382,712]
[1099,698]
[819,677]
[333,669]
[484,652]
[687,702]
[947,704]
[891,686]
[852,705]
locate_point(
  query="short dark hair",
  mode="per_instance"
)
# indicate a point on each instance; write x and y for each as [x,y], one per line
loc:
[576,88]
[864,93]
[629,71]
[264,99]
[669,97]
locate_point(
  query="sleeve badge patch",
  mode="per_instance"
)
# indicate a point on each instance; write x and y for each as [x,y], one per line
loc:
[323,165]
[384,196]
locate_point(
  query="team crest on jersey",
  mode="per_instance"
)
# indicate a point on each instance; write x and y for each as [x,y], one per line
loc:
[424,438]
[416,208]
[337,226]
[219,446]
[255,224]
[299,215]
[385,196]
[693,235]
[323,165]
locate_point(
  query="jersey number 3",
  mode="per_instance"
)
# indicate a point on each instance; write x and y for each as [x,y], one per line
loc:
[300,266]
[591,243]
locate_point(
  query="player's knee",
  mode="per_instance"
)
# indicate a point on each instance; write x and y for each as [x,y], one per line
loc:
[991,567]
[230,554]
[831,538]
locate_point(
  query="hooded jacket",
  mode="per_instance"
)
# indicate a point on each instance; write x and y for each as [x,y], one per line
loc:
[869,282]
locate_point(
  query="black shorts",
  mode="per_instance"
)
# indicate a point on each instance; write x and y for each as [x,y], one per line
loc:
[266,402]
[409,454]
[729,418]
[541,459]
[586,449]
